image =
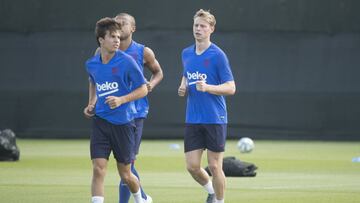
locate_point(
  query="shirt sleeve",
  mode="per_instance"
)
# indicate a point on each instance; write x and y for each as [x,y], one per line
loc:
[135,74]
[224,69]
[91,79]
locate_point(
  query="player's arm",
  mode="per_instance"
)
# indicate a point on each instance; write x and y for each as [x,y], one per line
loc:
[153,65]
[136,94]
[89,109]
[183,87]
[92,94]
[227,88]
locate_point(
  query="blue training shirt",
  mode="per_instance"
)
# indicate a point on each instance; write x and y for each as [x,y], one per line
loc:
[212,66]
[136,51]
[118,77]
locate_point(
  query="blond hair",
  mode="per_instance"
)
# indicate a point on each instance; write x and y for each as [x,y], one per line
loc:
[207,16]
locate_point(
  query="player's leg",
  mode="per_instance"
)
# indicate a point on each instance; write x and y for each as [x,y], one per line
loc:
[130,180]
[143,194]
[193,165]
[124,192]
[194,143]
[215,160]
[139,123]
[97,183]
[99,150]
[215,143]
[123,145]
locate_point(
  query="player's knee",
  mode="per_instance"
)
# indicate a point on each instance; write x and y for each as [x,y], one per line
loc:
[193,169]
[126,178]
[214,168]
[99,171]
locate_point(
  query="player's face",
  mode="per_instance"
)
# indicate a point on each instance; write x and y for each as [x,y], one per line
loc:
[127,27]
[111,41]
[202,29]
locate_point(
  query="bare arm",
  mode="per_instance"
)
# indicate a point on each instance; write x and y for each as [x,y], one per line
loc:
[183,87]
[153,65]
[89,109]
[138,93]
[227,88]
[92,94]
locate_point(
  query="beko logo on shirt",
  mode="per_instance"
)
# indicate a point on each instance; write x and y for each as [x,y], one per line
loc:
[196,76]
[109,87]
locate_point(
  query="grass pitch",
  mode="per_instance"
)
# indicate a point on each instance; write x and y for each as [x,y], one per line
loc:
[58,171]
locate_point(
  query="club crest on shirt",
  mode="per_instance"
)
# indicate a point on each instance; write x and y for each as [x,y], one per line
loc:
[114,70]
[206,63]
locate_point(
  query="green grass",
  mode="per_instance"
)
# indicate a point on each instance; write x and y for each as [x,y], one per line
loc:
[59,171]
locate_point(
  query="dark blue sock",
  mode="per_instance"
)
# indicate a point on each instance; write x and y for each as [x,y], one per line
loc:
[124,193]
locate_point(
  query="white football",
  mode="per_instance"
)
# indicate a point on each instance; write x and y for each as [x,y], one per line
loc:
[245,145]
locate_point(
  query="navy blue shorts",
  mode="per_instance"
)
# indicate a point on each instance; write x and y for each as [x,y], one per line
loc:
[107,137]
[139,123]
[205,136]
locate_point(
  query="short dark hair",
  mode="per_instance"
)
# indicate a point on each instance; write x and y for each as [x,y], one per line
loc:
[104,25]
[132,19]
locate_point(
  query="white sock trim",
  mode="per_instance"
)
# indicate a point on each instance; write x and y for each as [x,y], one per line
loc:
[219,201]
[138,192]
[209,187]
[97,199]
[137,196]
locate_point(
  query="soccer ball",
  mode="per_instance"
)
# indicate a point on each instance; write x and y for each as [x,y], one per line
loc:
[245,145]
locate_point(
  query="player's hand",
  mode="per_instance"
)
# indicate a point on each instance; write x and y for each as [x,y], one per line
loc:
[89,111]
[149,86]
[114,102]
[201,86]
[182,90]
